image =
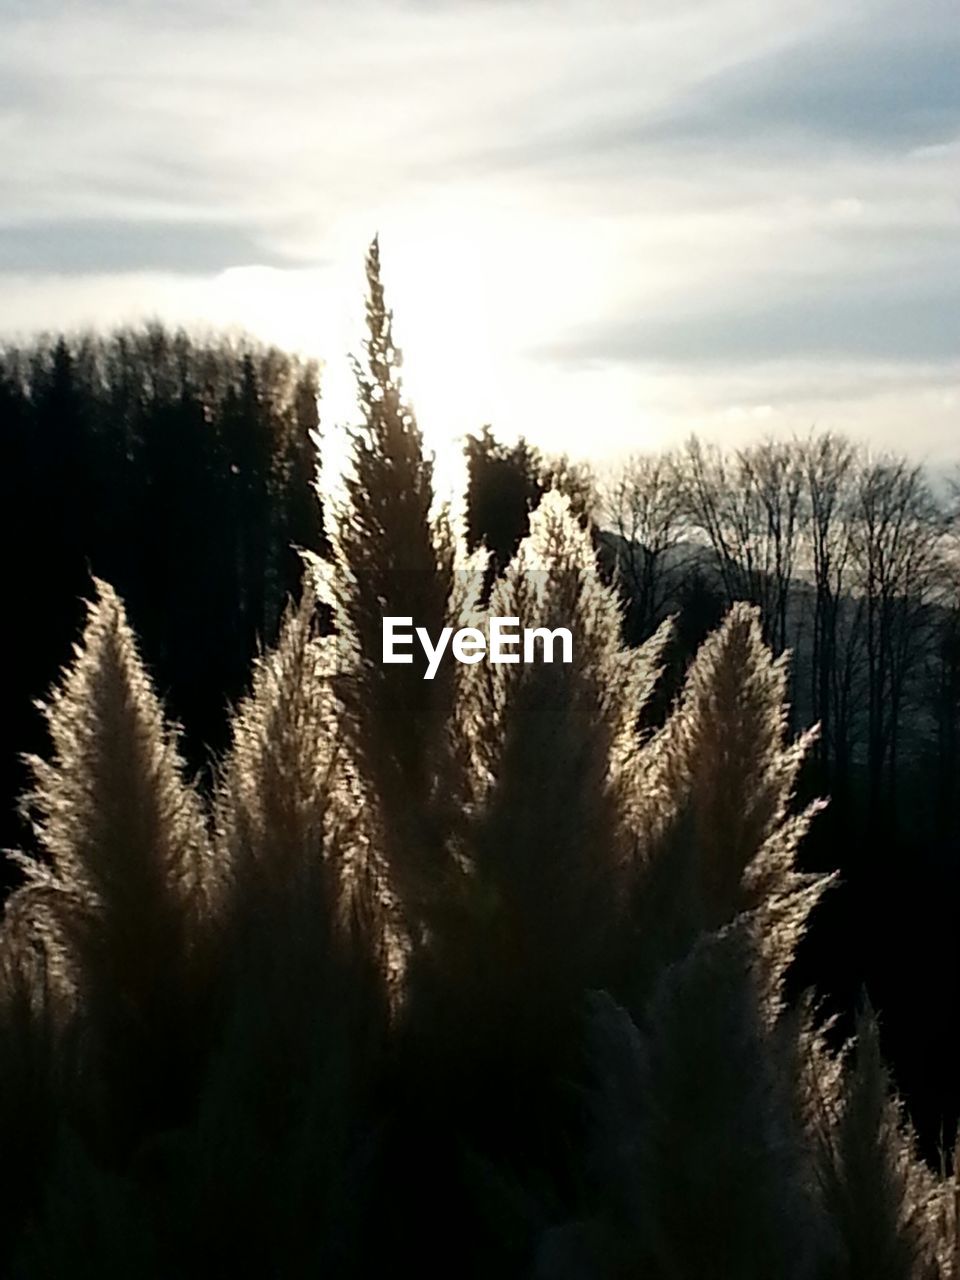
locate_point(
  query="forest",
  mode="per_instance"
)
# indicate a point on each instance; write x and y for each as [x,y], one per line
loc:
[641,965]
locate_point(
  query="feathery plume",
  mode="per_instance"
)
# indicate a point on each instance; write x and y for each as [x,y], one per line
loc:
[128,876]
[694,1123]
[393,557]
[553,749]
[713,804]
[282,825]
[881,1198]
[35,1007]
[305,979]
[700,1112]
[545,844]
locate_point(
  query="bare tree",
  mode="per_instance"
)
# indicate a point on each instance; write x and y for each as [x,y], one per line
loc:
[774,488]
[945,683]
[896,535]
[828,465]
[644,508]
[748,507]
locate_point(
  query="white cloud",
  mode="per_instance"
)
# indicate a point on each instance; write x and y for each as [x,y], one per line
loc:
[599,219]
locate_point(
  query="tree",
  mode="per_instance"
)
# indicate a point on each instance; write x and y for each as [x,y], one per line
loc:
[828,464]
[895,535]
[645,510]
[503,487]
[748,507]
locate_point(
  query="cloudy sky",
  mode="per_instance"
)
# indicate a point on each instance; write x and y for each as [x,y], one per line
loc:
[603,224]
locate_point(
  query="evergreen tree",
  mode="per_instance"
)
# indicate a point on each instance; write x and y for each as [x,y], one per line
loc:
[503,487]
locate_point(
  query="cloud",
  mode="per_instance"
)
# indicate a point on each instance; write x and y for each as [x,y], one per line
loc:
[893,319]
[876,88]
[94,246]
[879,77]
[735,193]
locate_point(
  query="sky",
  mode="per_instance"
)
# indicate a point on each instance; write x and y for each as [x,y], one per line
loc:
[603,225]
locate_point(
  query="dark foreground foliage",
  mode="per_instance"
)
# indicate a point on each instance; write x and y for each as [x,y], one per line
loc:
[176,468]
[451,977]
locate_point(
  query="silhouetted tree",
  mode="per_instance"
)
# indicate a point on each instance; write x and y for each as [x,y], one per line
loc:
[503,487]
[182,470]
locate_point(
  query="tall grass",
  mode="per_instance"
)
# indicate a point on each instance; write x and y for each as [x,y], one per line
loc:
[465,976]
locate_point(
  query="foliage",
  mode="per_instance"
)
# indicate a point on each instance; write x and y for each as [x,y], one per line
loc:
[466,974]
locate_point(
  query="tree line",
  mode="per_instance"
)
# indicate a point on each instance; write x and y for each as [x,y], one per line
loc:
[178,468]
[404,990]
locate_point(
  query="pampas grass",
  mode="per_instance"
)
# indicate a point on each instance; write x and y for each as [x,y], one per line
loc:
[466,976]
[127,882]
